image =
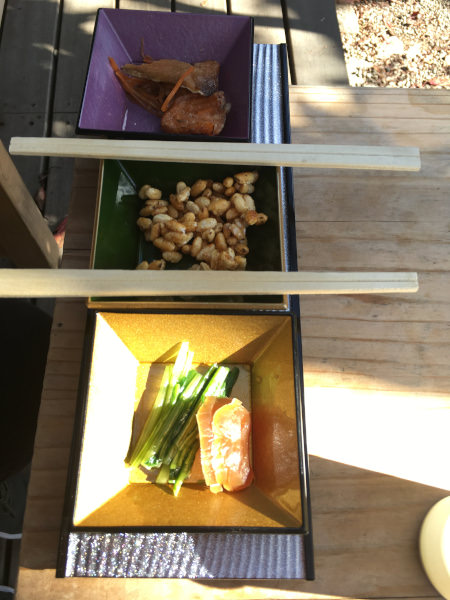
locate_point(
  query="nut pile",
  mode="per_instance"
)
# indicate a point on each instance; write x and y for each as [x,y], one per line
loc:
[207,221]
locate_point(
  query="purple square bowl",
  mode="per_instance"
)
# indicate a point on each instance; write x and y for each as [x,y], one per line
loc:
[188,37]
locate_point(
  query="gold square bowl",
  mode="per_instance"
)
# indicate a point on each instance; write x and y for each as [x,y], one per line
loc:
[124,356]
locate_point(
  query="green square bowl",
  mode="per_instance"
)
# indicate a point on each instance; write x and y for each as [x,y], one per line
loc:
[118,243]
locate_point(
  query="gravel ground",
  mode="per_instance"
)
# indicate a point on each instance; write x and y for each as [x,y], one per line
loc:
[396,43]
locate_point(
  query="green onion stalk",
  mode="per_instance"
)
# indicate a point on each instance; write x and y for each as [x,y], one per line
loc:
[169,439]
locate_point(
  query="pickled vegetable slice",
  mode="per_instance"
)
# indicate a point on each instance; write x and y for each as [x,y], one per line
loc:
[224,429]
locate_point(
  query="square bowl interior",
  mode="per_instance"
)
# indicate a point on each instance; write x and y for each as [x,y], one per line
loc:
[118,243]
[191,38]
[123,378]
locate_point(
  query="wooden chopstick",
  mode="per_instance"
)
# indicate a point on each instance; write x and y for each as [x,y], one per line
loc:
[288,155]
[57,283]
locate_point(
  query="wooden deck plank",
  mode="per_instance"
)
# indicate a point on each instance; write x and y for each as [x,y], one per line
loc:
[29,167]
[337,95]
[201,6]
[28,38]
[145,5]
[351,222]
[26,64]
[77,25]
[316,53]
[268,19]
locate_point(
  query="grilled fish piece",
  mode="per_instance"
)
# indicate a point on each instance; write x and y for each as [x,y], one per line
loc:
[204,79]
[193,114]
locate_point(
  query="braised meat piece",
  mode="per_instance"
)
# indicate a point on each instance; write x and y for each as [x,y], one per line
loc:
[203,80]
[193,114]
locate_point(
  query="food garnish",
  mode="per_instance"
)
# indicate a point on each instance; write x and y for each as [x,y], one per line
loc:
[169,439]
[207,221]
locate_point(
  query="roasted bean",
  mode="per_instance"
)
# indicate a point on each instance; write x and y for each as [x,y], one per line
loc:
[188,217]
[215,260]
[251,217]
[184,194]
[157,265]
[239,203]
[241,263]
[208,235]
[153,193]
[203,214]
[246,188]
[175,225]
[228,182]
[230,191]
[173,212]
[246,177]
[219,206]
[164,245]
[144,223]
[262,218]
[231,214]
[173,199]
[160,211]
[206,253]
[218,187]
[146,211]
[220,241]
[241,249]
[142,266]
[198,187]
[192,207]
[250,203]
[202,202]
[196,246]
[156,203]
[172,257]
[237,231]
[208,223]
[155,232]
[162,218]
[143,192]
[178,238]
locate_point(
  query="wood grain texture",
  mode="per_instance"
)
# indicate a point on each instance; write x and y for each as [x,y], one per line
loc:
[318,156]
[28,38]
[31,283]
[26,238]
[375,371]
[268,19]
[201,6]
[316,54]
[401,222]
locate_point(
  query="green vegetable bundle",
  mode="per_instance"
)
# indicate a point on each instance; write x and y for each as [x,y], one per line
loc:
[169,439]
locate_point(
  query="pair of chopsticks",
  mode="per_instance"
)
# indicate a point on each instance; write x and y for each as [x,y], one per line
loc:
[287,155]
[84,283]
[60,283]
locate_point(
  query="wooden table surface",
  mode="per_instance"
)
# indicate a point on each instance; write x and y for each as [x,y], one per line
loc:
[376,367]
